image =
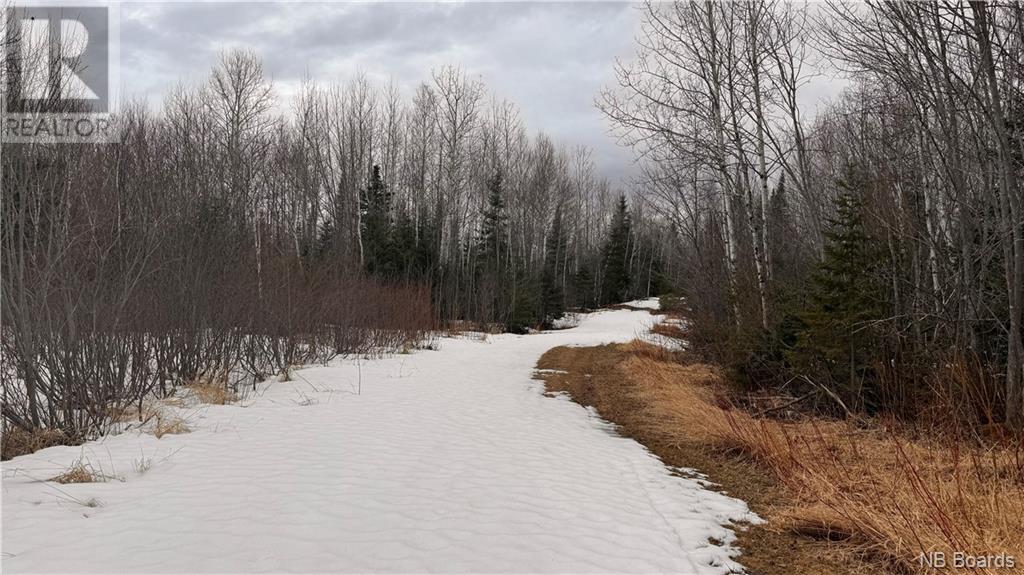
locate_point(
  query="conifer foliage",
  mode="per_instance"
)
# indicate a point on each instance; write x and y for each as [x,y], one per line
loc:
[554,263]
[919,295]
[379,253]
[847,297]
[493,291]
[616,286]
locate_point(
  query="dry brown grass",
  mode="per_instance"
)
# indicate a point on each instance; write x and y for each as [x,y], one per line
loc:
[135,413]
[891,495]
[214,390]
[161,417]
[17,442]
[79,472]
[894,496]
[885,495]
[458,327]
[169,424]
[672,330]
[214,394]
[594,376]
[173,401]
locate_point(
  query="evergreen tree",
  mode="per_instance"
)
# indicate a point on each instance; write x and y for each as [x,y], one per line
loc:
[657,280]
[408,254]
[847,294]
[324,240]
[491,245]
[789,273]
[375,203]
[525,302]
[553,292]
[615,287]
[328,241]
[583,286]
[492,253]
[780,221]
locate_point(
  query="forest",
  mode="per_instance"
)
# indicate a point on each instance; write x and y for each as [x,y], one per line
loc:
[866,255]
[869,256]
[365,324]
[224,241]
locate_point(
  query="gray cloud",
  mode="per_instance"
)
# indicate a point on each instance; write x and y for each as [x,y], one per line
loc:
[551,59]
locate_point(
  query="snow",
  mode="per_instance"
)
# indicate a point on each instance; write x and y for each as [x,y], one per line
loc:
[568,319]
[451,460]
[648,303]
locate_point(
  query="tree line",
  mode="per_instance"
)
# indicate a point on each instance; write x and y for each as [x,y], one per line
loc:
[225,240]
[871,254]
[451,189]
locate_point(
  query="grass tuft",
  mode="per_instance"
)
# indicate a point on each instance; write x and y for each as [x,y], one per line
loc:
[215,395]
[168,424]
[142,465]
[79,472]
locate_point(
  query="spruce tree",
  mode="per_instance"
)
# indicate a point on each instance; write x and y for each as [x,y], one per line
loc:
[847,295]
[615,287]
[525,303]
[554,261]
[789,272]
[375,204]
[492,254]
[583,286]
[324,241]
[657,280]
[491,247]
[405,254]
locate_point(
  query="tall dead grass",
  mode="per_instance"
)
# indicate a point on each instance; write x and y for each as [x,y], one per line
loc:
[15,442]
[892,496]
[213,389]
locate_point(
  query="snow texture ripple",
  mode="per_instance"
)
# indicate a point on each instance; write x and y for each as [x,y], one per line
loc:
[447,461]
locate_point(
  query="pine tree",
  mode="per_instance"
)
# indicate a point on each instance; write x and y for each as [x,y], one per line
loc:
[615,287]
[554,260]
[847,295]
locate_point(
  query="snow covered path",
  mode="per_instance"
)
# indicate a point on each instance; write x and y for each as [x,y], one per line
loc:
[448,461]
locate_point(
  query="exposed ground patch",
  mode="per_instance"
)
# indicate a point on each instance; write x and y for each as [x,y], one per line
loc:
[645,409]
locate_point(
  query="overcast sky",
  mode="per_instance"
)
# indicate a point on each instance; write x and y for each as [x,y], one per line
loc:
[551,59]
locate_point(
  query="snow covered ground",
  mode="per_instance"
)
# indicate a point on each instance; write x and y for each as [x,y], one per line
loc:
[449,460]
[649,303]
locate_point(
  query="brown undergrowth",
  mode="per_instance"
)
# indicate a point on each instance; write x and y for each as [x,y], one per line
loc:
[838,497]
[15,442]
[214,389]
